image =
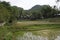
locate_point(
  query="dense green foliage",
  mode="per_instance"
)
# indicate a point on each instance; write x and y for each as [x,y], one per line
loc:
[4,11]
[10,14]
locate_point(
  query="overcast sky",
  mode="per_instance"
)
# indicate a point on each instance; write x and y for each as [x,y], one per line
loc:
[27,4]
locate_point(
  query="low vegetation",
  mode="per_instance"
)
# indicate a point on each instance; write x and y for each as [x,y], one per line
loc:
[11,32]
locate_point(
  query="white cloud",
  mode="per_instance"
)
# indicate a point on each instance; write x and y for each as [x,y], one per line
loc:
[27,4]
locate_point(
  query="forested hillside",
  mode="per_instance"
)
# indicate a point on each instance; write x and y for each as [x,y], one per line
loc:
[10,14]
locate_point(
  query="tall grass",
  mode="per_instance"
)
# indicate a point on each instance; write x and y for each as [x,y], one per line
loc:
[10,32]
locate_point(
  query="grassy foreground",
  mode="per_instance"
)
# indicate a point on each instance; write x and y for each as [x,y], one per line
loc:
[11,32]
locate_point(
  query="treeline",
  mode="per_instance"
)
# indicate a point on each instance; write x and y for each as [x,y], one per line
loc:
[10,13]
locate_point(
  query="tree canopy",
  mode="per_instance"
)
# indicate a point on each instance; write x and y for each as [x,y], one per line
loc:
[10,13]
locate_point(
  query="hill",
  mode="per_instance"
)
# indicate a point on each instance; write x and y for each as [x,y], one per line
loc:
[36,7]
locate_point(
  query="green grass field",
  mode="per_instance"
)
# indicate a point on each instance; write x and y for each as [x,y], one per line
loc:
[10,32]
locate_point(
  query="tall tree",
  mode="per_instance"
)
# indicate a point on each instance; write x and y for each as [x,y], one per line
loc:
[4,11]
